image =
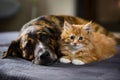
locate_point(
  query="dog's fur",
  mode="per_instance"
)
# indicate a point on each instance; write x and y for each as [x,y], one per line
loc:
[39,39]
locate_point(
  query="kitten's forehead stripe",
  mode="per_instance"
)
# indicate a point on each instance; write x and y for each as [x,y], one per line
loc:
[78,29]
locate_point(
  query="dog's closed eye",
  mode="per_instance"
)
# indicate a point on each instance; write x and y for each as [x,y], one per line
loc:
[28,43]
[44,38]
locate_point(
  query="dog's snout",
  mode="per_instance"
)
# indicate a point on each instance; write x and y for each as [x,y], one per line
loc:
[46,58]
[45,54]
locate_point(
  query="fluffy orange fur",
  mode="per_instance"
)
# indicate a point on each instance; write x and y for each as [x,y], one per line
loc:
[80,44]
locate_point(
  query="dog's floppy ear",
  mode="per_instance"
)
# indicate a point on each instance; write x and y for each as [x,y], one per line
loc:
[13,49]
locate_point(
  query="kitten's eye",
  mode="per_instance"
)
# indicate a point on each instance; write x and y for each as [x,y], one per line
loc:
[72,37]
[80,38]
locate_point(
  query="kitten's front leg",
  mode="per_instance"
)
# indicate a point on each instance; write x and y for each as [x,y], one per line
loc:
[77,62]
[66,56]
[78,59]
[65,59]
[84,60]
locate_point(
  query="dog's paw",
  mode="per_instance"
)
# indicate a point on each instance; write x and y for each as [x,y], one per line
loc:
[64,60]
[77,62]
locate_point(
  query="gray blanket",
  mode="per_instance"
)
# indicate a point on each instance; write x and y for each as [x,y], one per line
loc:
[20,69]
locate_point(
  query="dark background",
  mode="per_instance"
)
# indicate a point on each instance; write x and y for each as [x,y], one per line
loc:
[17,12]
[105,12]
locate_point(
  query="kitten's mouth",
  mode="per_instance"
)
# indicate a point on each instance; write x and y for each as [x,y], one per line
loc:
[79,46]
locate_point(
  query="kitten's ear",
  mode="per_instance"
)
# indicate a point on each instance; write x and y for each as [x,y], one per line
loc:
[88,27]
[67,25]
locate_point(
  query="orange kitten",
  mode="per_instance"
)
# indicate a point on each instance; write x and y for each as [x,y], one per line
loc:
[81,45]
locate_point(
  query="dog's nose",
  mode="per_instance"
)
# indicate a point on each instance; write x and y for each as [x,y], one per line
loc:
[44,55]
[46,58]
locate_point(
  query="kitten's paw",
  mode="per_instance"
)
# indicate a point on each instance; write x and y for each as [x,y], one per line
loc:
[64,60]
[77,62]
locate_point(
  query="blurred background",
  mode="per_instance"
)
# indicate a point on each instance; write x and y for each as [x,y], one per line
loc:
[15,13]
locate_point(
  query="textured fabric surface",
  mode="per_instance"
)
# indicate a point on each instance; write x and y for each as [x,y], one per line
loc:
[20,69]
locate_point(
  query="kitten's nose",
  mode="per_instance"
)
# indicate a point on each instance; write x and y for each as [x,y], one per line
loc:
[75,44]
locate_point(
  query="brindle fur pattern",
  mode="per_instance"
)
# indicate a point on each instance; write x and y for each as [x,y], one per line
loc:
[40,38]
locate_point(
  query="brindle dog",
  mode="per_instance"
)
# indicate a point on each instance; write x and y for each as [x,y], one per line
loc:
[39,39]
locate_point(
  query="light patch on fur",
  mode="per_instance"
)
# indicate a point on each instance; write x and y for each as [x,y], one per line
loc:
[74,52]
[41,45]
[39,49]
[27,24]
[28,30]
[77,26]
[77,62]
[64,60]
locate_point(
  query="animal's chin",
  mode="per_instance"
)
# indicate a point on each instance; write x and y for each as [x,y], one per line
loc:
[77,47]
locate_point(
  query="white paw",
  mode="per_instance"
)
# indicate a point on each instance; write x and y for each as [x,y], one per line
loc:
[77,62]
[64,60]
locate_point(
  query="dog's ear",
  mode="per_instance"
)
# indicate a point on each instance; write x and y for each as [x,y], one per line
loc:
[13,49]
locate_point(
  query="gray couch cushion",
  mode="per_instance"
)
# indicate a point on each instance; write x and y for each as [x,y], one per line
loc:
[20,69]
